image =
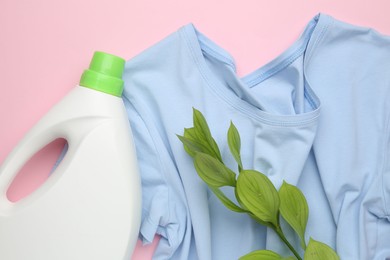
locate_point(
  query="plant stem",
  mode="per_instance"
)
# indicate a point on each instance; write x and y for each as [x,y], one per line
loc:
[279,231]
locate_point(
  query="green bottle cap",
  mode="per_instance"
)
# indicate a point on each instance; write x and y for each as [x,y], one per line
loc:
[104,74]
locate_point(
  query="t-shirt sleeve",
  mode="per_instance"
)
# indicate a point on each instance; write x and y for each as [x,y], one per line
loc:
[162,209]
[151,79]
[154,187]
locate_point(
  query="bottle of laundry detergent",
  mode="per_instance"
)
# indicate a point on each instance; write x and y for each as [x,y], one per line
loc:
[89,208]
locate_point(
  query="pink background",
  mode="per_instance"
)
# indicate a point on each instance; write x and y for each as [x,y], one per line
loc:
[46,44]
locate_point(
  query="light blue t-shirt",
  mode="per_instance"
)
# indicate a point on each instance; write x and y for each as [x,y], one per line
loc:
[316,116]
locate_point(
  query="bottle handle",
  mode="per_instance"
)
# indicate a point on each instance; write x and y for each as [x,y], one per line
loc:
[37,138]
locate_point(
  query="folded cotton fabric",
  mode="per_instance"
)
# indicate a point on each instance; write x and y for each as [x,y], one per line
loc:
[317,116]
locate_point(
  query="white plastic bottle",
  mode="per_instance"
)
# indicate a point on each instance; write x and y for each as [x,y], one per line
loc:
[90,206]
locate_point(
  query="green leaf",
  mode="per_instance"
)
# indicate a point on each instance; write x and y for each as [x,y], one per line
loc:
[294,209]
[192,146]
[262,255]
[213,172]
[190,133]
[234,143]
[267,224]
[319,251]
[202,131]
[238,199]
[226,201]
[259,195]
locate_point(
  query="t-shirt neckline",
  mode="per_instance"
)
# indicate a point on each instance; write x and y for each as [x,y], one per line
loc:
[198,43]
